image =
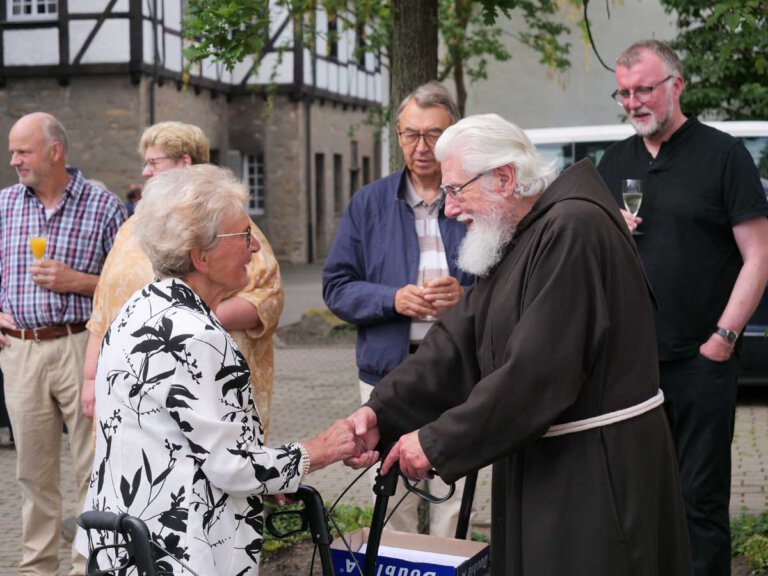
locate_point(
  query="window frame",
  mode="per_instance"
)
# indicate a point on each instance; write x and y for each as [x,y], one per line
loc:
[47,17]
[253,178]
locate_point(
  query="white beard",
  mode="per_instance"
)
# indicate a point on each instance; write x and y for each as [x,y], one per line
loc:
[483,246]
[656,125]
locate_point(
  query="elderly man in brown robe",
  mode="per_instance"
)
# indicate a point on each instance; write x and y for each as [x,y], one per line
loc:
[546,369]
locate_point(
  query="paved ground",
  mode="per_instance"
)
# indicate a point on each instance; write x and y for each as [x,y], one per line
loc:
[316,385]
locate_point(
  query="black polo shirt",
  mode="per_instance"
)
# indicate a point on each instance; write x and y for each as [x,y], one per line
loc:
[701,184]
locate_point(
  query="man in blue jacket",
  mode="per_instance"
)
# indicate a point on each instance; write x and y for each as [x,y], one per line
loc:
[392,268]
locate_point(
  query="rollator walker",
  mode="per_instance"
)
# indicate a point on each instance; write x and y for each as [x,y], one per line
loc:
[138,549]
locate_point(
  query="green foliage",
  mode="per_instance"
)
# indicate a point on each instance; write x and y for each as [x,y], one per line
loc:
[289,523]
[749,538]
[471,47]
[725,52]
[348,518]
[229,30]
[477,537]
[756,551]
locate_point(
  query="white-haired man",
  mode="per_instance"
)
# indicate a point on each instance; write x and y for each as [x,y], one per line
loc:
[546,369]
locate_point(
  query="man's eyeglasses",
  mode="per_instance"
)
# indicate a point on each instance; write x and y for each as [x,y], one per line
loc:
[454,190]
[154,161]
[247,235]
[411,137]
[642,93]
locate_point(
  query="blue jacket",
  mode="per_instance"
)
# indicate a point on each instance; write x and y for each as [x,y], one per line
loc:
[374,254]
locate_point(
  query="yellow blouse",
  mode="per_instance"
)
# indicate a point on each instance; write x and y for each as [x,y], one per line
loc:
[127,270]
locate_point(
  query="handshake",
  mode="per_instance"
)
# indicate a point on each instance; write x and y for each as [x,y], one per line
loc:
[354,440]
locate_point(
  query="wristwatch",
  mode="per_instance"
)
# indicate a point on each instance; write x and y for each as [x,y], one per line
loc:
[728,335]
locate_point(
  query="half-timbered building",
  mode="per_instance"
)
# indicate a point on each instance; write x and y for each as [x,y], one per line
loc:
[110,68]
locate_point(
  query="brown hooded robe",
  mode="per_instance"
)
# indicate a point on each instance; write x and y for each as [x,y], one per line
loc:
[561,330]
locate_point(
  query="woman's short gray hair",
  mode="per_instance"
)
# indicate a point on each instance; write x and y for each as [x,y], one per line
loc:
[182,210]
[488,141]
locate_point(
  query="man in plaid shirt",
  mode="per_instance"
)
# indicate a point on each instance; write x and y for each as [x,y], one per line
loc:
[45,304]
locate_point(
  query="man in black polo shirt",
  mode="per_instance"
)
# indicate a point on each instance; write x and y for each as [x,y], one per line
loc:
[704,242]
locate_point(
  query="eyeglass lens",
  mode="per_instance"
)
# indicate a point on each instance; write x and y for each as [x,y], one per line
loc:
[642,93]
[153,161]
[411,137]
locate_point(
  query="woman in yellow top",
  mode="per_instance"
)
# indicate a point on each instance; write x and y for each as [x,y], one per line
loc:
[250,315]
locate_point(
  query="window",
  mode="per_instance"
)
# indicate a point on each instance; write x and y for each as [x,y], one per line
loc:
[758,147]
[253,176]
[360,45]
[366,170]
[319,250]
[33,9]
[354,171]
[338,185]
[333,37]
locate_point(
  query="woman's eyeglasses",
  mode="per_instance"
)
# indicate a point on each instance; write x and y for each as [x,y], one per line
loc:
[247,235]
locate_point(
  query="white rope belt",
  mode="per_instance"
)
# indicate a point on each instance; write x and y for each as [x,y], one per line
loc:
[606,419]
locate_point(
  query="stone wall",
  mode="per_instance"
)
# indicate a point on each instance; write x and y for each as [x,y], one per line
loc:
[334,128]
[102,118]
[105,116]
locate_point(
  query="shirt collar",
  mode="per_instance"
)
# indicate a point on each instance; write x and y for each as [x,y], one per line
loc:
[74,188]
[412,197]
[76,184]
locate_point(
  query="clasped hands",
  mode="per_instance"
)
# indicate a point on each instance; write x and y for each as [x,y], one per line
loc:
[407,451]
[419,302]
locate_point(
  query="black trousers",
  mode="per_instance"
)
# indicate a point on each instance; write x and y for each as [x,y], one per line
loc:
[700,402]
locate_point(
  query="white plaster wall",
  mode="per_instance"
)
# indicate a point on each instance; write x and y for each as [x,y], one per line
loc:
[111,43]
[527,93]
[31,47]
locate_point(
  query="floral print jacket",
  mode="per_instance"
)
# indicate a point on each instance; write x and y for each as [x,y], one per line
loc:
[179,440]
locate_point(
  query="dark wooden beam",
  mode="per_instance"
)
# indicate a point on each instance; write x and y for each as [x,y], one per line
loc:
[94,31]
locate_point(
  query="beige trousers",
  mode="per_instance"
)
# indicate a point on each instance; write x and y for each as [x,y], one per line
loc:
[442,517]
[42,392]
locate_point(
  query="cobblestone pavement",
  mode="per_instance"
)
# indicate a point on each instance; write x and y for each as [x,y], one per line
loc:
[316,385]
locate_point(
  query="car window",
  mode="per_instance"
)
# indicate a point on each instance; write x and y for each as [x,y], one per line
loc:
[592,150]
[758,147]
[560,153]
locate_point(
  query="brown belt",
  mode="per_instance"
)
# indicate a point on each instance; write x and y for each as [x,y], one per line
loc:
[48,333]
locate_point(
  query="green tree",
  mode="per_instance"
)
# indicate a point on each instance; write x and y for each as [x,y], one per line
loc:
[471,39]
[724,47]
[405,32]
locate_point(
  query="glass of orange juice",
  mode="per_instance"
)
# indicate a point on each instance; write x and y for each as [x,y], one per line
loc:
[37,245]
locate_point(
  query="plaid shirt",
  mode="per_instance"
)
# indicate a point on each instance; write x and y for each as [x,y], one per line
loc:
[80,232]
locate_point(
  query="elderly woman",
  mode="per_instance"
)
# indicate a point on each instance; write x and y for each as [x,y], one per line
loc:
[179,439]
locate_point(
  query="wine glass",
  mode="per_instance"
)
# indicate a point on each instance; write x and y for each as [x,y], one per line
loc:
[424,283]
[37,245]
[632,193]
